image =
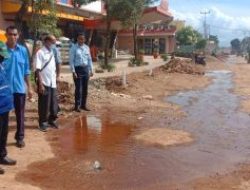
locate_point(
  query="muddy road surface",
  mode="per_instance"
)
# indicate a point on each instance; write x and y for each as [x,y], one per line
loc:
[209,148]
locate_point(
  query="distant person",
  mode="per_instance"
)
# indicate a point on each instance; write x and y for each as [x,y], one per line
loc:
[6,104]
[46,80]
[18,71]
[82,68]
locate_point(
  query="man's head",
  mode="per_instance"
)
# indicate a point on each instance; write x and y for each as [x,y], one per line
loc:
[48,41]
[53,38]
[81,38]
[3,52]
[12,35]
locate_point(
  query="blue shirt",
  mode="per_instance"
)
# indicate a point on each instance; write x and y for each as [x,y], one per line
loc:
[57,54]
[6,96]
[17,67]
[80,56]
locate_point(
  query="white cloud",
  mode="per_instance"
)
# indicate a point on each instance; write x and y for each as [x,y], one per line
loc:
[226,26]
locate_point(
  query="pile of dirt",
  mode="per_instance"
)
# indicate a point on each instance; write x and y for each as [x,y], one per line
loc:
[114,84]
[64,87]
[183,66]
[65,98]
[164,137]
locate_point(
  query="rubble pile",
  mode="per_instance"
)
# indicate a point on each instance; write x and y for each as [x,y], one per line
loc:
[114,83]
[64,87]
[183,66]
[65,98]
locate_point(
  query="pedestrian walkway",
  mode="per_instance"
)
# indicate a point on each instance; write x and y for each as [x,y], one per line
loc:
[121,67]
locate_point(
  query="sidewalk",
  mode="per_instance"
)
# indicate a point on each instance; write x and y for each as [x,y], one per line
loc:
[121,66]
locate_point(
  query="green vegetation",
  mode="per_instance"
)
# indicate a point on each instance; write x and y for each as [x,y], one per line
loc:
[189,40]
[164,57]
[236,46]
[109,67]
[136,62]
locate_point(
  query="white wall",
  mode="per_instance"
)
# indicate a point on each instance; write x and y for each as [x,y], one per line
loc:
[94,6]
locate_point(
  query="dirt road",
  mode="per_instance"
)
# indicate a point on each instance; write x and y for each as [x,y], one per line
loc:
[163,131]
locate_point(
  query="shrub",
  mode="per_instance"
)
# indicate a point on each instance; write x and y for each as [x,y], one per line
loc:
[136,62]
[109,67]
[164,57]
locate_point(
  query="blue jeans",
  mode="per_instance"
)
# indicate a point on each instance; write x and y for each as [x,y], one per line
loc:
[81,86]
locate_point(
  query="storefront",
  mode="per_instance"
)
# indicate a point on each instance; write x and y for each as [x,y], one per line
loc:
[154,27]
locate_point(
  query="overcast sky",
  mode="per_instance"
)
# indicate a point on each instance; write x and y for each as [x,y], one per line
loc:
[228,18]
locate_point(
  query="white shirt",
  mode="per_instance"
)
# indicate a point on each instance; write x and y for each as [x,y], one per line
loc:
[48,74]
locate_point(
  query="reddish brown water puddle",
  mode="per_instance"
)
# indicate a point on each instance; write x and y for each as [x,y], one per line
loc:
[125,163]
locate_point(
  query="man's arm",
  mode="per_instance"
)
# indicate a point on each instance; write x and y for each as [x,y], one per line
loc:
[27,73]
[58,63]
[90,63]
[38,66]
[72,60]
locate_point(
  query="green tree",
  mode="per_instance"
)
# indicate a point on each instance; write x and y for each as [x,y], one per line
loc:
[188,36]
[19,16]
[214,39]
[236,46]
[130,13]
[43,20]
[201,44]
[245,43]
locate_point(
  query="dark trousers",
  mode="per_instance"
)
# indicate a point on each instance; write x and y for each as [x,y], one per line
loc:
[81,86]
[47,105]
[4,126]
[19,104]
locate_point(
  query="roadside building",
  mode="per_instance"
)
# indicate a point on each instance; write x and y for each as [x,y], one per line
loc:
[70,18]
[154,25]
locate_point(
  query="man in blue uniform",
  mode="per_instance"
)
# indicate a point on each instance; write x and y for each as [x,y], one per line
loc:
[18,71]
[82,68]
[6,104]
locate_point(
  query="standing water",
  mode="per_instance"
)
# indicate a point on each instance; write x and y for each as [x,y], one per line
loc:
[220,131]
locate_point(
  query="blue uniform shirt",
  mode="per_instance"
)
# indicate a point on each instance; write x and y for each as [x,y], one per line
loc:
[57,54]
[80,56]
[17,67]
[6,97]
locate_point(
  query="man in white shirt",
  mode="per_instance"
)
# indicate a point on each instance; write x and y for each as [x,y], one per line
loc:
[46,80]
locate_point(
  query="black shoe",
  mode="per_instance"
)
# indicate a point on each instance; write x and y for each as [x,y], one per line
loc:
[43,127]
[7,161]
[1,171]
[85,109]
[20,144]
[53,124]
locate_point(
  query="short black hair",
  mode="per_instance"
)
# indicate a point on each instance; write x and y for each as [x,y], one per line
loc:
[81,34]
[47,38]
[12,27]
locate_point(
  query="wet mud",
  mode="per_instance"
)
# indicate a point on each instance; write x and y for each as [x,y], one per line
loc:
[221,141]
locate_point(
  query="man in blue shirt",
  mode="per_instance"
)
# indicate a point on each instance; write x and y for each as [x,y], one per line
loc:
[18,70]
[6,104]
[82,68]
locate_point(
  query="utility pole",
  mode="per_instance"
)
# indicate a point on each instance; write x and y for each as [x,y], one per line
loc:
[205,13]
